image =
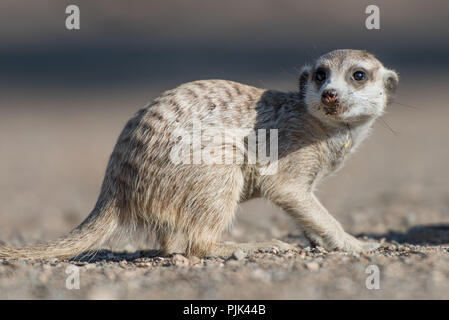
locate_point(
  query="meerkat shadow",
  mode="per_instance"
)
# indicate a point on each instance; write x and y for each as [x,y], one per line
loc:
[115,256]
[435,234]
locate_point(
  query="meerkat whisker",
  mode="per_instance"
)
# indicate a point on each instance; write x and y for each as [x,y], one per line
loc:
[386,125]
[405,105]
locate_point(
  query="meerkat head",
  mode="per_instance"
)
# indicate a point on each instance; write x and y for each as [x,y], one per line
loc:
[347,86]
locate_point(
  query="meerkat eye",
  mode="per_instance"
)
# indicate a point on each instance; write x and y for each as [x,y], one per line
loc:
[359,75]
[320,75]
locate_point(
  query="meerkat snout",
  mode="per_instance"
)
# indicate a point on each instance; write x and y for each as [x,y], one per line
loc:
[329,97]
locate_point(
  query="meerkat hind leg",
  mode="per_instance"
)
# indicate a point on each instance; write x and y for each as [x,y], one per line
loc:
[171,242]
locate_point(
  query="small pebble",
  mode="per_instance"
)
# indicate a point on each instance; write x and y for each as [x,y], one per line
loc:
[123,263]
[320,249]
[90,266]
[180,260]
[194,261]
[238,255]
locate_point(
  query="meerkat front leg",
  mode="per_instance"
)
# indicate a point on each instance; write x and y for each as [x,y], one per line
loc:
[319,224]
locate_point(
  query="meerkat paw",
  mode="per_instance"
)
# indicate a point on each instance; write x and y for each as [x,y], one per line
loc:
[314,240]
[352,244]
[370,246]
[360,246]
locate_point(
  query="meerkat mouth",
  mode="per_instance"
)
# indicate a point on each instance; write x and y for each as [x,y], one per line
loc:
[336,109]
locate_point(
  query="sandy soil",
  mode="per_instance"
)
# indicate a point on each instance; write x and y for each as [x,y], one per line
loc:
[54,151]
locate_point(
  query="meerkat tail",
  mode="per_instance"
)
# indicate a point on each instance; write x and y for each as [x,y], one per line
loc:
[97,228]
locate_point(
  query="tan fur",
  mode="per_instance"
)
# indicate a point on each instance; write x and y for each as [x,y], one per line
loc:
[189,205]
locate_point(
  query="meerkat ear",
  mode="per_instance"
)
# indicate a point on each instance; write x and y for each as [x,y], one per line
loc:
[305,73]
[391,80]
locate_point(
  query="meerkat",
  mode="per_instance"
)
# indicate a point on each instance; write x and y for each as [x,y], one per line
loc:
[188,206]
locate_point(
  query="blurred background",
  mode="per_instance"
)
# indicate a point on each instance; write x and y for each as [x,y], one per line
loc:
[162,43]
[66,95]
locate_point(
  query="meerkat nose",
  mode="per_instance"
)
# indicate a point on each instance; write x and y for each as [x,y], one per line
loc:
[329,97]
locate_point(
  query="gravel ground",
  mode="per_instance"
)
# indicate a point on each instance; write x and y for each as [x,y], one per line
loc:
[394,190]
